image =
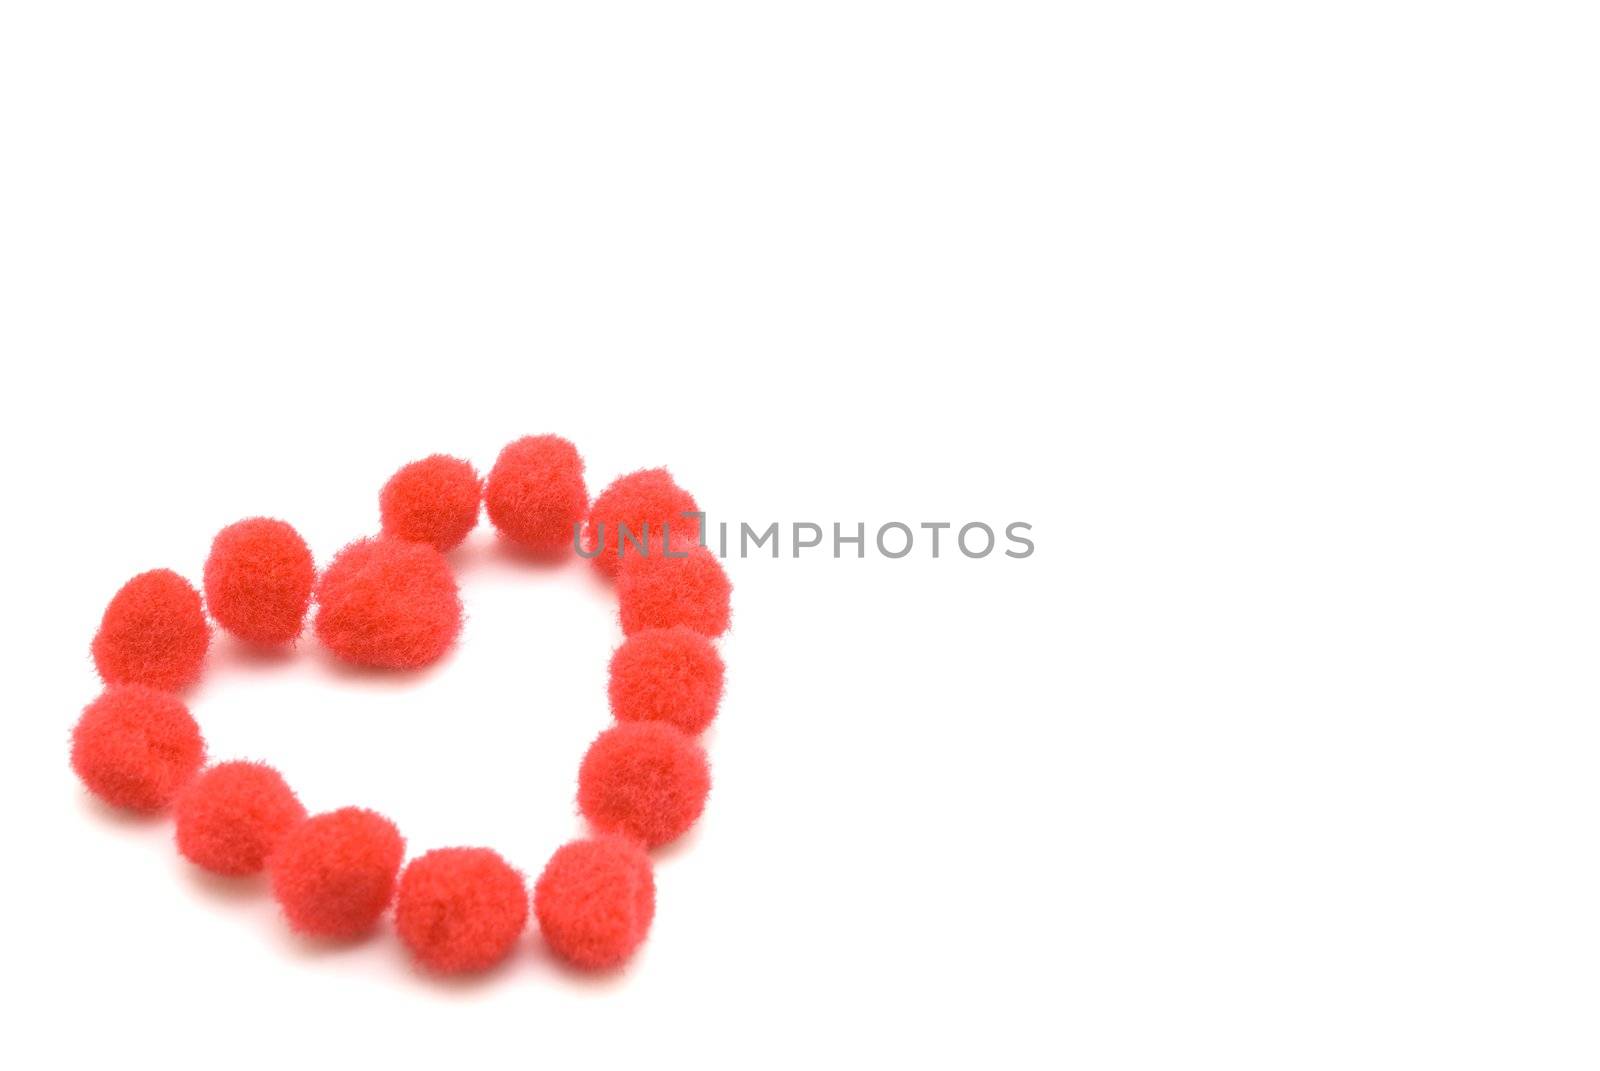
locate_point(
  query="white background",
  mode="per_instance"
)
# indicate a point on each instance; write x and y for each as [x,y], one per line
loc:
[1277,321]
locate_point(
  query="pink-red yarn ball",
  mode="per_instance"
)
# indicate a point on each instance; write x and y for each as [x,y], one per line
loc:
[595,901]
[388,603]
[460,909]
[683,588]
[536,496]
[334,874]
[154,632]
[433,501]
[633,510]
[136,747]
[233,815]
[672,675]
[645,780]
[258,580]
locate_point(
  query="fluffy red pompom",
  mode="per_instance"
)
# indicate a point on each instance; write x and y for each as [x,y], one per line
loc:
[460,909]
[434,500]
[258,580]
[136,747]
[648,497]
[672,675]
[334,873]
[536,495]
[595,901]
[233,815]
[644,779]
[153,632]
[661,590]
[389,603]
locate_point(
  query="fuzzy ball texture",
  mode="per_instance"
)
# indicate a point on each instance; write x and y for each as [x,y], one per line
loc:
[595,901]
[646,780]
[672,675]
[334,873]
[663,591]
[536,494]
[154,632]
[258,580]
[233,815]
[460,909]
[136,747]
[388,603]
[648,497]
[433,501]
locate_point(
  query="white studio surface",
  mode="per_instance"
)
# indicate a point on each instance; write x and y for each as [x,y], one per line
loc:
[1276,323]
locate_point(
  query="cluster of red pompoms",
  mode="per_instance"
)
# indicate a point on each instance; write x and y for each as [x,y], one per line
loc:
[392,602]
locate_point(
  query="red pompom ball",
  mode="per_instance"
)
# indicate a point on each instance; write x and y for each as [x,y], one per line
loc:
[460,909]
[389,603]
[153,632]
[233,815]
[536,495]
[434,500]
[644,779]
[671,675]
[595,901]
[648,497]
[258,580]
[661,591]
[334,873]
[136,747]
